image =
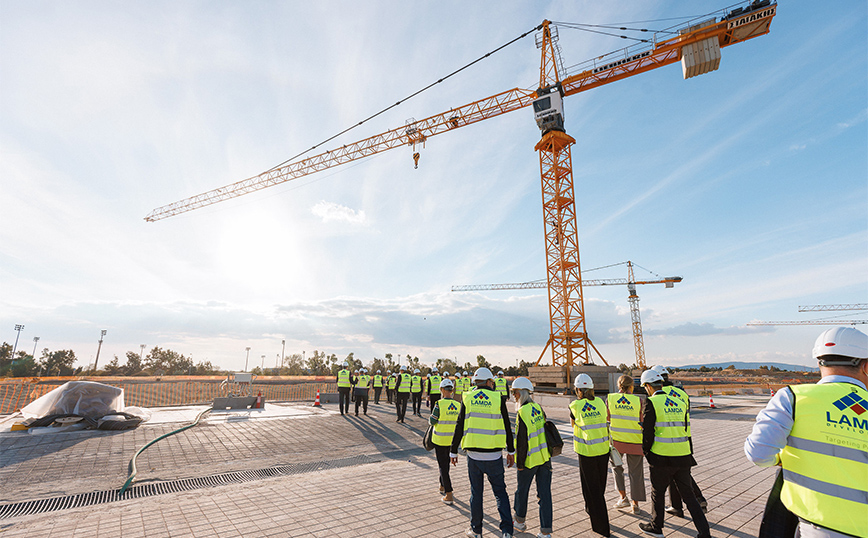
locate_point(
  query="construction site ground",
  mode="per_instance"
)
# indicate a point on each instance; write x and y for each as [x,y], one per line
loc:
[353,476]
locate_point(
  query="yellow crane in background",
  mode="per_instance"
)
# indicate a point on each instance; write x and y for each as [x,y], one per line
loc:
[633,299]
[696,44]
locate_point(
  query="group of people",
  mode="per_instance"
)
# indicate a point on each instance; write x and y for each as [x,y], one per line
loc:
[402,388]
[618,429]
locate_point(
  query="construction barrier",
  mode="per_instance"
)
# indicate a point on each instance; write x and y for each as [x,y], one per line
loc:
[15,393]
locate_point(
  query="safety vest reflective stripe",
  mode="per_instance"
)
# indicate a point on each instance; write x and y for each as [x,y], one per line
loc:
[590,430]
[405,383]
[531,415]
[671,437]
[392,381]
[833,490]
[622,417]
[482,428]
[344,378]
[500,385]
[378,381]
[415,384]
[843,452]
[825,462]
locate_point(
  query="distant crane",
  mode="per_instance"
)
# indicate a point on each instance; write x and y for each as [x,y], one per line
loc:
[811,322]
[633,299]
[833,307]
[696,44]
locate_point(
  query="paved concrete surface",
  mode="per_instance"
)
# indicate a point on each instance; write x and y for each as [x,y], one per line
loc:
[397,495]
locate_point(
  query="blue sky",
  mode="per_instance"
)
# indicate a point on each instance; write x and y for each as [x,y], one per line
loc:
[751,182]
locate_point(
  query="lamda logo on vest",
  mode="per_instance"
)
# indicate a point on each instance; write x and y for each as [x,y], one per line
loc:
[482,398]
[670,406]
[589,410]
[854,403]
[452,407]
[623,403]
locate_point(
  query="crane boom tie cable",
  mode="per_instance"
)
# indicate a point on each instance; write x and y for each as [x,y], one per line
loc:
[414,94]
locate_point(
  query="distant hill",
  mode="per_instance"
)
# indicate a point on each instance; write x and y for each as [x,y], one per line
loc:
[753,366]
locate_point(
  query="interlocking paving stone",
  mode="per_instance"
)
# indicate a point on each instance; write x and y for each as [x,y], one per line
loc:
[396,497]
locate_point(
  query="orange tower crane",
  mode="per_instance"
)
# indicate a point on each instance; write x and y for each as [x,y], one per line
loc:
[697,46]
[633,299]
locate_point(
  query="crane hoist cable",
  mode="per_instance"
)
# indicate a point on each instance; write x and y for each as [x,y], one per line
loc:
[412,95]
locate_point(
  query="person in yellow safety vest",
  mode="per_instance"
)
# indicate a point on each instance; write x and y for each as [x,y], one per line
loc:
[676,507]
[354,379]
[361,391]
[625,413]
[532,457]
[344,386]
[390,386]
[591,443]
[465,383]
[459,385]
[433,387]
[817,434]
[484,430]
[378,386]
[416,392]
[402,393]
[668,447]
[444,417]
[500,384]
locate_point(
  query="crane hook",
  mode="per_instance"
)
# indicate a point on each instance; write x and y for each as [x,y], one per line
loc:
[416,159]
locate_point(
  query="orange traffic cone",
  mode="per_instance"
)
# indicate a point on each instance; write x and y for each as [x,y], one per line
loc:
[258,404]
[316,402]
[711,403]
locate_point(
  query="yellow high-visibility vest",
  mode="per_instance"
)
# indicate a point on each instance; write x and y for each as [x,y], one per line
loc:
[415,384]
[448,419]
[405,383]
[825,462]
[363,382]
[393,380]
[625,425]
[378,381]
[534,420]
[500,385]
[672,429]
[590,429]
[344,378]
[435,384]
[483,423]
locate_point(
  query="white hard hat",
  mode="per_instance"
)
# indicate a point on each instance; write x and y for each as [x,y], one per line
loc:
[416,371]
[468,373]
[427,375]
[446,374]
[346,364]
[583,381]
[379,371]
[481,374]
[651,376]
[660,369]
[447,384]
[522,383]
[403,367]
[842,342]
[500,372]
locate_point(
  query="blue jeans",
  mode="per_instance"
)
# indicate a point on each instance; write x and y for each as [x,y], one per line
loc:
[494,470]
[543,474]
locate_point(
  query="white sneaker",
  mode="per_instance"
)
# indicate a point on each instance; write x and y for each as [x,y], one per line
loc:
[507,535]
[622,503]
[635,509]
[519,526]
[541,535]
[471,534]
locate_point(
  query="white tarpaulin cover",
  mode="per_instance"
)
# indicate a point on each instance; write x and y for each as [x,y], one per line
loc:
[84,398]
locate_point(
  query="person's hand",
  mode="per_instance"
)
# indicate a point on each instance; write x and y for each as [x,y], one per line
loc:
[510,460]
[454,461]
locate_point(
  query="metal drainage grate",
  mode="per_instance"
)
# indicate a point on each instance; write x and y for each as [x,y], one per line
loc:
[42,506]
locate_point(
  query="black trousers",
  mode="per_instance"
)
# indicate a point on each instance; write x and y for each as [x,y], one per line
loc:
[661,477]
[401,403]
[443,463]
[377,392]
[417,403]
[593,470]
[362,398]
[344,399]
[433,398]
[390,394]
[675,496]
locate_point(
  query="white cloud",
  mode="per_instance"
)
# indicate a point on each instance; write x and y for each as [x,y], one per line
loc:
[332,212]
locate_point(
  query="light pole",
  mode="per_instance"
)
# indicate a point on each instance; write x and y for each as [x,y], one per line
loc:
[18,328]
[282,352]
[96,360]
[142,353]
[35,341]
[246,359]
[263,363]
